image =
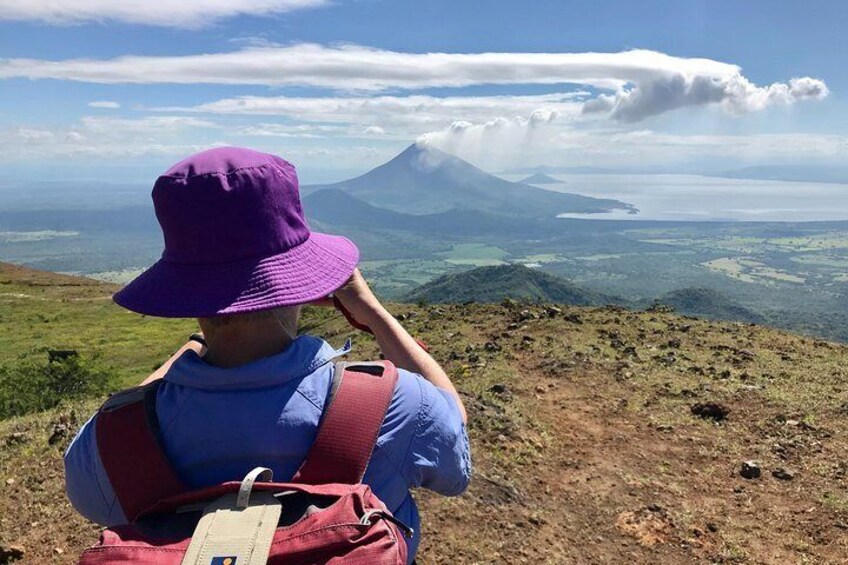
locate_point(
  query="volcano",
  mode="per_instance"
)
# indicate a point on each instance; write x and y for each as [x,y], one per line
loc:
[425,180]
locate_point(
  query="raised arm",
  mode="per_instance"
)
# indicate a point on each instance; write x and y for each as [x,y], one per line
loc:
[395,342]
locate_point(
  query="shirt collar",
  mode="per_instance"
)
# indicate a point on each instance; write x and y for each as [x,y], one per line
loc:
[302,356]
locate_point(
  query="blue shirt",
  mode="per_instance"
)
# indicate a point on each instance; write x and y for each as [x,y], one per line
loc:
[218,424]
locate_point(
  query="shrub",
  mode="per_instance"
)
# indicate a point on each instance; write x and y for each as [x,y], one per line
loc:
[32,385]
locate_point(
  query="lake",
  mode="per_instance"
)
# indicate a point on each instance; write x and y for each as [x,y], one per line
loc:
[702,198]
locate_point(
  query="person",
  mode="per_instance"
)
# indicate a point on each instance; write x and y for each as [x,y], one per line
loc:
[240,258]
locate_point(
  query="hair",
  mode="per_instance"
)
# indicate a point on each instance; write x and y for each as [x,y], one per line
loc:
[286,316]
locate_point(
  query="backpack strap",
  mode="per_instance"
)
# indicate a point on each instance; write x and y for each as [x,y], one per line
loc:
[353,415]
[130,448]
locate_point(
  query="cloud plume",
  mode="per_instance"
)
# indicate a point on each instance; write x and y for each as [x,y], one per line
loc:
[734,93]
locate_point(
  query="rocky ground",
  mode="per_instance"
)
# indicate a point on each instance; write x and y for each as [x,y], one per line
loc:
[599,435]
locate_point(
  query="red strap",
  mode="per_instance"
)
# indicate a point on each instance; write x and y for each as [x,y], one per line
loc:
[359,398]
[128,441]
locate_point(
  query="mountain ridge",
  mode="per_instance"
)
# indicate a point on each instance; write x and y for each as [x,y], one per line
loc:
[496,283]
[708,303]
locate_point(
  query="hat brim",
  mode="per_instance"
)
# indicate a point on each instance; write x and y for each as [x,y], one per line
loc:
[312,270]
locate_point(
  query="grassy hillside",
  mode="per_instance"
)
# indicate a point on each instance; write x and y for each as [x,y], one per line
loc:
[586,447]
[493,284]
[41,310]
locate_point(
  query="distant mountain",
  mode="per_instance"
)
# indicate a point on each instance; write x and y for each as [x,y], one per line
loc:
[580,170]
[708,303]
[795,173]
[424,180]
[493,284]
[540,178]
[333,207]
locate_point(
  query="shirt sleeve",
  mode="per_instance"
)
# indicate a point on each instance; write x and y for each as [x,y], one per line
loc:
[86,482]
[439,456]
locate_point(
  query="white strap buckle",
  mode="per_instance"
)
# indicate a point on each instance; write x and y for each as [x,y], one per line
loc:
[261,474]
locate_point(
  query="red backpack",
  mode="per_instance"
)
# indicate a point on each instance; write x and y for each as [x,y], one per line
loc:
[324,515]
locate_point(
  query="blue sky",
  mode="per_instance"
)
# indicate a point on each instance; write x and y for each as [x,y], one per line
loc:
[341,86]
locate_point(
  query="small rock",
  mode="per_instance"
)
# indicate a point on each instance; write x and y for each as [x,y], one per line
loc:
[710,410]
[573,318]
[499,388]
[750,470]
[58,550]
[541,390]
[17,438]
[491,346]
[9,553]
[10,481]
[60,432]
[525,315]
[629,350]
[783,475]
[536,520]
[553,311]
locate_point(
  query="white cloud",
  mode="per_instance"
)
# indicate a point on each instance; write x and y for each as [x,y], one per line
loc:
[301,131]
[354,67]
[95,136]
[644,83]
[155,125]
[168,13]
[27,135]
[734,93]
[396,115]
[107,104]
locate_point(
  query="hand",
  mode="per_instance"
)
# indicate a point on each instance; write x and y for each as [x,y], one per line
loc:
[359,301]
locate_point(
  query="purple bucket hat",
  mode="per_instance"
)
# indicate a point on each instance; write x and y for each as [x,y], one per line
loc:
[236,241]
